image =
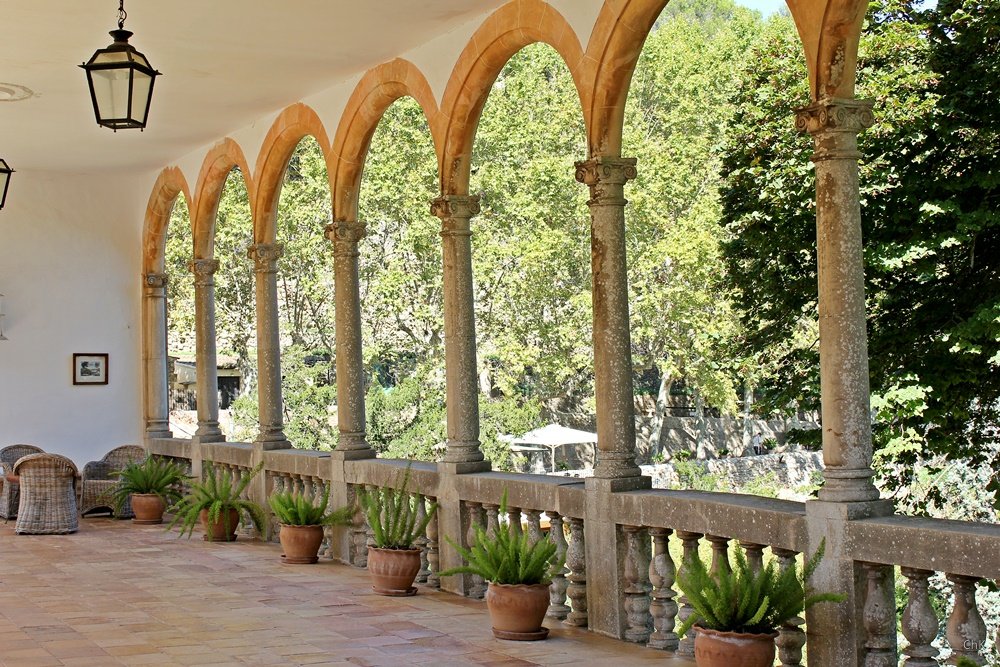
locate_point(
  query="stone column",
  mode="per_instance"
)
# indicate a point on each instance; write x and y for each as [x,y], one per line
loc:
[615,469]
[345,236]
[154,297]
[271,435]
[606,178]
[461,376]
[843,348]
[206,363]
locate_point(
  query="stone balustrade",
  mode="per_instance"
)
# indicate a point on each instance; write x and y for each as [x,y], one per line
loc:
[660,529]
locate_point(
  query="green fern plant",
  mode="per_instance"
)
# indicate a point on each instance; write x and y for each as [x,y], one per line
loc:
[217,494]
[506,558]
[744,601]
[156,476]
[392,515]
[295,509]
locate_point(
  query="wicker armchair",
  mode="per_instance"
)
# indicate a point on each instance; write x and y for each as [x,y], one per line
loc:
[9,495]
[48,495]
[98,480]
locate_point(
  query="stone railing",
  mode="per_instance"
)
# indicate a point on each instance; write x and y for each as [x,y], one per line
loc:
[650,532]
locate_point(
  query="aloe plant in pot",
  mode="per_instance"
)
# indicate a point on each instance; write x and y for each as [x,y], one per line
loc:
[519,572]
[217,504]
[302,524]
[150,485]
[395,521]
[737,612]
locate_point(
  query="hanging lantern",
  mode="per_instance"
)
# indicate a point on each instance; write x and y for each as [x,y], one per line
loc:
[121,81]
[5,172]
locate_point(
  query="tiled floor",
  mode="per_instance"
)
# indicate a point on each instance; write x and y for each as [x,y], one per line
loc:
[118,594]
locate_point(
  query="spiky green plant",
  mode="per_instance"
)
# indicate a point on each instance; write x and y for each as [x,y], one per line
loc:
[295,509]
[745,601]
[152,475]
[506,558]
[217,494]
[392,514]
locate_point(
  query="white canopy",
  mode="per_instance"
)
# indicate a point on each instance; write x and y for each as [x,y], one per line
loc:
[550,437]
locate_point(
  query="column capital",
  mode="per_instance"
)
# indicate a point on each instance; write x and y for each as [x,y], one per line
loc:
[451,207]
[606,177]
[203,270]
[155,281]
[345,236]
[835,114]
[266,256]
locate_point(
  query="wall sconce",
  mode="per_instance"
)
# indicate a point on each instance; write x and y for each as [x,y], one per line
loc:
[2,315]
[5,172]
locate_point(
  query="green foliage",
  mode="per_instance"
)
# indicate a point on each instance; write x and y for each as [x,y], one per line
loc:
[745,601]
[392,514]
[694,475]
[507,558]
[153,475]
[295,509]
[178,250]
[217,494]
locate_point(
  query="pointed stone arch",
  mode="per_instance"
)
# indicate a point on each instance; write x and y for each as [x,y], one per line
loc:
[292,125]
[215,169]
[377,89]
[168,185]
[502,34]
[830,31]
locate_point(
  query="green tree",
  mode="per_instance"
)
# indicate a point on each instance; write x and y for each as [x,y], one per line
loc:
[180,284]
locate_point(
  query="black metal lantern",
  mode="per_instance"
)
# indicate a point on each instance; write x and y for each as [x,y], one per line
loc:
[5,172]
[121,81]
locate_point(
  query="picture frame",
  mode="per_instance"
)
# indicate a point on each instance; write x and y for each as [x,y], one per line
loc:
[90,368]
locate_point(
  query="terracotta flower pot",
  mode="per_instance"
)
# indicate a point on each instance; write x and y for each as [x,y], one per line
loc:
[222,530]
[148,508]
[393,570]
[300,543]
[517,610]
[713,648]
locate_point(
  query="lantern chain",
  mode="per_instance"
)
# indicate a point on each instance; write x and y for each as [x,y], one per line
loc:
[122,14]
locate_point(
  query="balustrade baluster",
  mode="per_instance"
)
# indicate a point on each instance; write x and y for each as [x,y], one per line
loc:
[576,561]
[720,553]
[637,591]
[879,616]
[477,585]
[920,622]
[359,533]
[557,591]
[755,555]
[492,519]
[307,488]
[966,631]
[433,556]
[663,608]
[791,638]
[421,541]
[690,541]
[534,525]
[514,517]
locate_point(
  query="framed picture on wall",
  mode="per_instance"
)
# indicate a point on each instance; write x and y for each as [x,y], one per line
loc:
[89,368]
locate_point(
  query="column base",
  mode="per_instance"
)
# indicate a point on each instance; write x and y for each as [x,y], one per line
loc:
[155,433]
[463,467]
[270,445]
[209,434]
[848,486]
[616,468]
[352,454]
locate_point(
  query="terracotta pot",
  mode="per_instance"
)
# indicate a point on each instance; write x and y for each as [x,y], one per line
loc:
[713,648]
[148,508]
[217,531]
[300,543]
[393,570]
[517,610]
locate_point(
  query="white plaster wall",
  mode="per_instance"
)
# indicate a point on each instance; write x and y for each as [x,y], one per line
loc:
[70,249]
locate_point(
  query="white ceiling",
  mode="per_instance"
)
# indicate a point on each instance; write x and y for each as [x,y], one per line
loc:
[224,63]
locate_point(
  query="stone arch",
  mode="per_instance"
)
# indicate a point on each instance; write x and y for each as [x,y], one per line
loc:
[377,89]
[289,128]
[502,34]
[830,32]
[219,161]
[613,51]
[169,184]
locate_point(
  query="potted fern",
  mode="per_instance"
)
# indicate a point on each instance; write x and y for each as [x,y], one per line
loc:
[150,485]
[302,524]
[217,504]
[519,573]
[393,562]
[737,613]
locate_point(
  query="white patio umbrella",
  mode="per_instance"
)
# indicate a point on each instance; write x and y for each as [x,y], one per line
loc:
[553,436]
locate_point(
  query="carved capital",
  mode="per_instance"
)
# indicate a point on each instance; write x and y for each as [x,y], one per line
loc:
[265,256]
[203,270]
[155,280]
[345,231]
[833,114]
[606,177]
[449,207]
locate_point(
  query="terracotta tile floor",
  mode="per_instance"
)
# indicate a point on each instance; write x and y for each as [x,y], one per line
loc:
[118,594]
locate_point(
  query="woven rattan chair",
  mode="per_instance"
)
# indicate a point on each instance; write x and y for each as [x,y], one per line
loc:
[48,495]
[9,496]
[98,480]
